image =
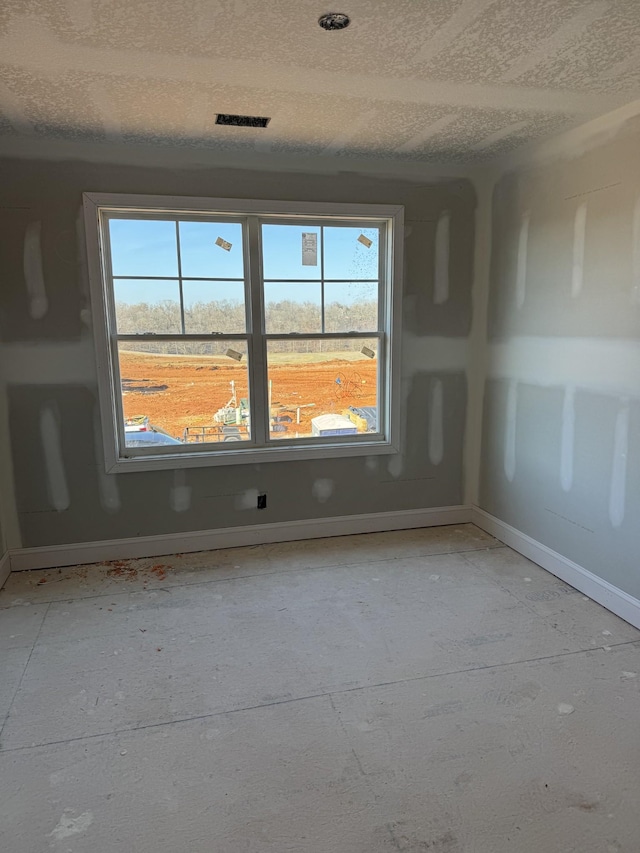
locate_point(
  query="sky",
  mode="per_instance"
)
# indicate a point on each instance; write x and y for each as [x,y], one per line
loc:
[142,247]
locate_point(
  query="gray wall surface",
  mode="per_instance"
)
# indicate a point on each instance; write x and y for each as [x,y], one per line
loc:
[3,544]
[50,365]
[561,422]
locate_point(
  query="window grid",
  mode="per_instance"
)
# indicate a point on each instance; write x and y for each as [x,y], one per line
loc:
[180,279]
[182,325]
[260,416]
[322,276]
[322,280]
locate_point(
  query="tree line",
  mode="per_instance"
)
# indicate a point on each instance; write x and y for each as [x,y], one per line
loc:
[228,317]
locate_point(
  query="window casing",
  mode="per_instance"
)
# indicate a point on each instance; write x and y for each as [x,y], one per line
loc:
[260,345]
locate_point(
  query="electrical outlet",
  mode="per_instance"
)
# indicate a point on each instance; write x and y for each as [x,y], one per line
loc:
[262,501]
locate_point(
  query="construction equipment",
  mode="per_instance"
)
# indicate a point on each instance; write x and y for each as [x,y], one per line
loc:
[230,423]
[218,432]
[364,417]
[233,413]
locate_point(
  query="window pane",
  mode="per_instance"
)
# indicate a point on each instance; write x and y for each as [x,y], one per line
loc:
[323,387]
[282,254]
[213,306]
[143,247]
[293,307]
[147,306]
[351,253]
[202,257]
[351,306]
[176,392]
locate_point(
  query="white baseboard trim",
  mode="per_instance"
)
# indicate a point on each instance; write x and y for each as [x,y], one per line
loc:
[79,553]
[54,556]
[5,568]
[609,596]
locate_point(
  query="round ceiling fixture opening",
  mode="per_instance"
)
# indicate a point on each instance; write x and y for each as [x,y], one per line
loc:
[334,21]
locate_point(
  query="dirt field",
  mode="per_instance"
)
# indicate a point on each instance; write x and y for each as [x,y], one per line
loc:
[179,391]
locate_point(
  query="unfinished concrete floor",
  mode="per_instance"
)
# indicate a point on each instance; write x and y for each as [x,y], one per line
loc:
[427,691]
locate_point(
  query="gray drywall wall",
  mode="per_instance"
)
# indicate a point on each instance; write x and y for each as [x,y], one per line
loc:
[3,543]
[62,493]
[7,503]
[561,426]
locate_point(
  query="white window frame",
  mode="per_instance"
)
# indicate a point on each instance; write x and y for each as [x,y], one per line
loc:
[118,458]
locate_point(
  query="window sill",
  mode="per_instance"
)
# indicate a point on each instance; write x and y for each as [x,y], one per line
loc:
[205,459]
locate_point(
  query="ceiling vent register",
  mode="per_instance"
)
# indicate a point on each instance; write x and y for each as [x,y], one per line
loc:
[242,121]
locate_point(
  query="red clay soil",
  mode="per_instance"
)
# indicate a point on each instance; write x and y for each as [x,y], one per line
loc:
[159,572]
[197,386]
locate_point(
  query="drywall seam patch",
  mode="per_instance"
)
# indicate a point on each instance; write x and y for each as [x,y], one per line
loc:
[359,124]
[510,431]
[569,32]
[579,234]
[107,110]
[52,447]
[465,14]
[247,500]
[45,363]
[371,464]
[571,144]
[420,139]
[477,345]
[436,423]
[33,274]
[8,503]
[395,463]
[322,490]
[180,492]
[568,435]
[107,483]
[441,354]
[231,537]
[83,270]
[198,111]
[499,135]
[618,489]
[607,366]
[521,271]
[442,248]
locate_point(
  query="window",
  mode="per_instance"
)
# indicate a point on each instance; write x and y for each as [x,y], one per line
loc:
[236,331]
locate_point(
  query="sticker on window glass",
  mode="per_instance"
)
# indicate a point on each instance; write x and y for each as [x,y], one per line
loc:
[365,241]
[223,244]
[234,354]
[368,352]
[309,249]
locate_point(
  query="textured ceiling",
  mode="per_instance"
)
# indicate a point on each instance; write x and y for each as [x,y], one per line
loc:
[432,80]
